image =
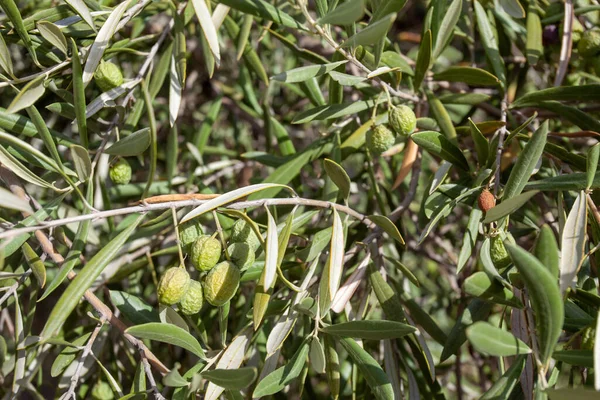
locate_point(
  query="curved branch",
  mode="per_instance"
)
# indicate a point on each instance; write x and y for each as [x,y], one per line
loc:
[144,208]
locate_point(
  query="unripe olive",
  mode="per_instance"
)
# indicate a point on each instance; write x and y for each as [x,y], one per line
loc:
[241,254]
[189,232]
[192,299]
[500,256]
[588,338]
[243,232]
[173,285]
[221,283]
[380,139]
[402,120]
[108,76]
[120,172]
[206,252]
[589,45]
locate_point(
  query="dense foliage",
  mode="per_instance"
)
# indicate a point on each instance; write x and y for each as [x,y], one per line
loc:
[330,199]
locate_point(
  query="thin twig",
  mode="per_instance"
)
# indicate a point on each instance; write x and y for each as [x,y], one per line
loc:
[500,148]
[149,375]
[567,43]
[144,208]
[86,352]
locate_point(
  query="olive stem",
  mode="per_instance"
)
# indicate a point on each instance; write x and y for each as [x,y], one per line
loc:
[144,208]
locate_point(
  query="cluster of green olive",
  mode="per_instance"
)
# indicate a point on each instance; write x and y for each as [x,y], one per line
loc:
[403,122]
[220,272]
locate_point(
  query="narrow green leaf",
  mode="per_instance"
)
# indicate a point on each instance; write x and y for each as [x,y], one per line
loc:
[242,39]
[35,263]
[267,279]
[345,14]
[317,355]
[469,75]
[545,296]
[332,111]
[582,119]
[68,354]
[503,387]
[489,42]
[481,143]
[513,8]
[278,379]
[82,9]
[488,339]
[132,145]
[332,274]
[332,366]
[5,58]
[233,379]
[526,163]
[13,202]
[79,102]
[438,144]
[208,28]
[202,135]
[471,99]
[387,297]
[534,46]
[53,34]
[83,164]
[231,359]
[469,238]
[371,370]
[372,33]
[581,358]
[441,115]
[482,285]
[592,164]
[573,242]
[388,227]
[570,393]
[580,93]
[346,79]
[507,207]
[167,333]
[174,379]
[302,74]
[446,30]
[133,308]
[263,9]
[372,330]
[71,296]
[546,250]
[423,59]
[404,270]
[339,176]
[28,95]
